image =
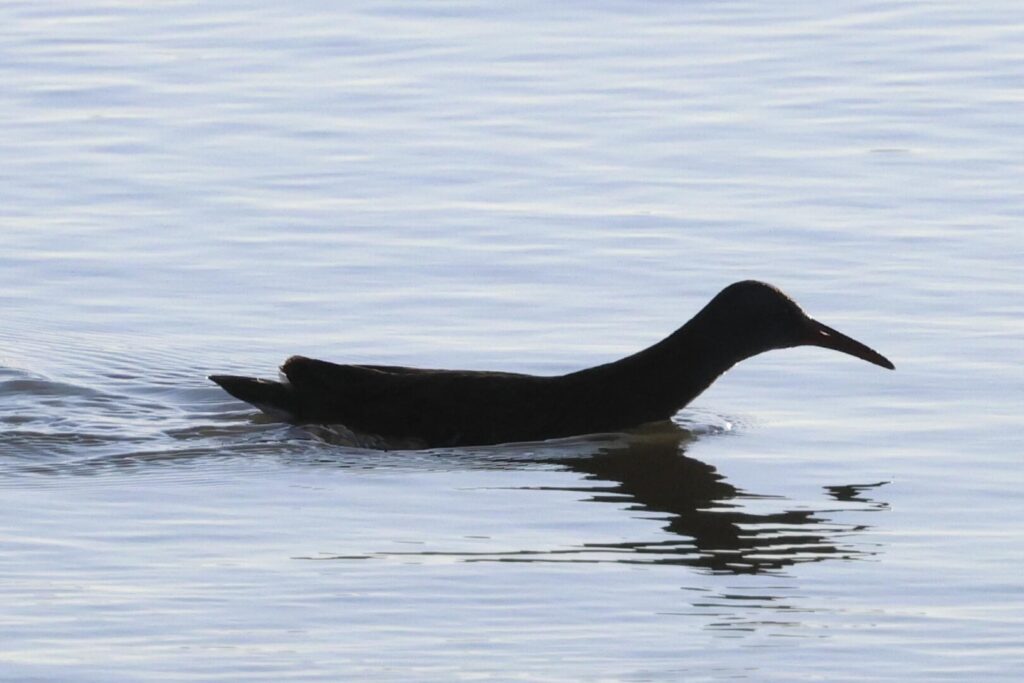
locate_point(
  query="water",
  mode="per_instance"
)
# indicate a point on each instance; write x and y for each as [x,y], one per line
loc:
[192,188]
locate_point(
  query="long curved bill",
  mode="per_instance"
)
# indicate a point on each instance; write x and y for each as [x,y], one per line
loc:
[822,335]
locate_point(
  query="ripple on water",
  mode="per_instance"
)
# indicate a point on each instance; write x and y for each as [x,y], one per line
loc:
[94,421]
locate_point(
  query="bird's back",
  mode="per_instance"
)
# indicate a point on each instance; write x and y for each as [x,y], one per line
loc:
[440,407]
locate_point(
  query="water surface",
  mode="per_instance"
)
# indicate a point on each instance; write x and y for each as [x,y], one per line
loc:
[191,189]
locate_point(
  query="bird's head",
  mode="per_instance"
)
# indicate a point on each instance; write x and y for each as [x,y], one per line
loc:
[758,317]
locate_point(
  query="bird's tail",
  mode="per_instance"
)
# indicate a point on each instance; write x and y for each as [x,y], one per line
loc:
[274,398]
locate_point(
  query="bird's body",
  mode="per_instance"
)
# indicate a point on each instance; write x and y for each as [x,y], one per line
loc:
[464,407]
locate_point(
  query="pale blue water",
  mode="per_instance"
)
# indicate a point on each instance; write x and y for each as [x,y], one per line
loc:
[190,188]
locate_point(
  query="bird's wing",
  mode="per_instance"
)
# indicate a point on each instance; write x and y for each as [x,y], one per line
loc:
[440,406]
[335,390]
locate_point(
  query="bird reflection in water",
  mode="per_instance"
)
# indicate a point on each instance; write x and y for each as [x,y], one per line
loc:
[711,523]
[716,529]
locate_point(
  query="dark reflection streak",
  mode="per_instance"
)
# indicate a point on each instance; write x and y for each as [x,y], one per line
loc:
[851,493]
[653,471]
[649,472]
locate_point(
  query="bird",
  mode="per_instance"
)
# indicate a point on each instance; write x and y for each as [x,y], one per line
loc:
[453,408]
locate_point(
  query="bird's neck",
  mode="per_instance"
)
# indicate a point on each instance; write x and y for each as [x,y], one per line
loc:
[655,383]
[689,360]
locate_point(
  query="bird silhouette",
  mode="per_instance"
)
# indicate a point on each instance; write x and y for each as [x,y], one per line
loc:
[435,408]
